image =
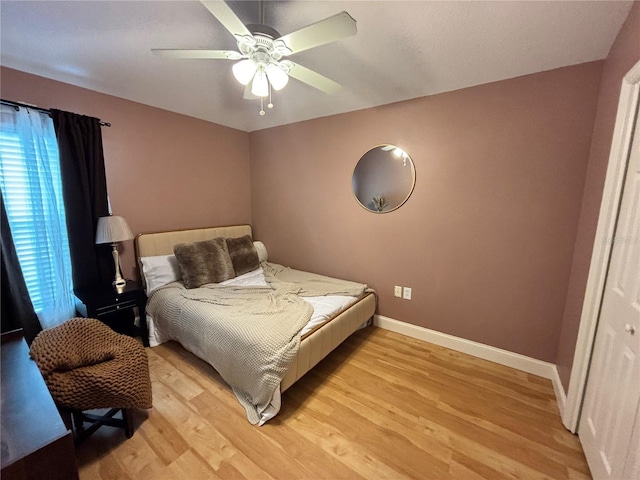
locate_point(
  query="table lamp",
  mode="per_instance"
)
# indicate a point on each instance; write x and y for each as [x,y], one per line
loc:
[114,229]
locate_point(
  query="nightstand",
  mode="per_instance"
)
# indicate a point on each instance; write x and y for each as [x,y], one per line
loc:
[100,302]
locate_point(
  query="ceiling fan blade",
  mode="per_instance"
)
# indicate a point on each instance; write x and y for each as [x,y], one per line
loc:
[314,79]
[227,18]
[325,31]
[210,54]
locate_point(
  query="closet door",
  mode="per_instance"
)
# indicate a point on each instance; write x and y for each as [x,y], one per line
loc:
[632,464]
[612,396]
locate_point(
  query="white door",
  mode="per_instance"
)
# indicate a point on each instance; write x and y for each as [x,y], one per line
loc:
[632,467]
[608,425]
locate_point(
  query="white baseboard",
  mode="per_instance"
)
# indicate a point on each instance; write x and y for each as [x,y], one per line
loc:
[561,397]
[486,352]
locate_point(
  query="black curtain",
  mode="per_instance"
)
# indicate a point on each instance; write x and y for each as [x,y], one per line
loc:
[17,309]
[84,188]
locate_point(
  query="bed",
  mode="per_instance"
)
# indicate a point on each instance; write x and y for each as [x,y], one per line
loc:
[333,323]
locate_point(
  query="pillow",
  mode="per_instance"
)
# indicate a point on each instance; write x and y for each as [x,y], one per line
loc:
[244,255]
[262,251]
[158,271]
[204,262]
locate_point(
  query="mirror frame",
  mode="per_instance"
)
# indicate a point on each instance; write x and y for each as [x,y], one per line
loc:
[413,183]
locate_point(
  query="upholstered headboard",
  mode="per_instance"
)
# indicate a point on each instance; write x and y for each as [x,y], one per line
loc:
[161,243]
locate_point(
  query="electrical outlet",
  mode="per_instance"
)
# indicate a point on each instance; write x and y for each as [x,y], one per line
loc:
[397,291]
[406,293]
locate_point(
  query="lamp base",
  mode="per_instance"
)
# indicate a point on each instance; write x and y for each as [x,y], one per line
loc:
[118,283]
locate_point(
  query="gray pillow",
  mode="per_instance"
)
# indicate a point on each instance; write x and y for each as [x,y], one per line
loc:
[244,255]
[204,262]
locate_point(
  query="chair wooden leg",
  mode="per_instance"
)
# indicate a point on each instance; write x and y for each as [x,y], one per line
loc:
[78,424]
[96,421]
[65,414]
[128,422]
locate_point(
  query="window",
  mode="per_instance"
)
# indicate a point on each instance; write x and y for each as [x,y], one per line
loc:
[32,191]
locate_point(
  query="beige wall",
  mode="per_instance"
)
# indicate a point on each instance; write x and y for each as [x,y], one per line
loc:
[624,54]
[164,170]
[486,239]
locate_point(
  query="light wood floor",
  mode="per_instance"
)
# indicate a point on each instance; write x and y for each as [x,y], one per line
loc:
[382,405]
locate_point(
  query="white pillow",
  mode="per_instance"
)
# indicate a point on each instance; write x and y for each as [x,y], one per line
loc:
[158,271]
[254,278]
[262,251]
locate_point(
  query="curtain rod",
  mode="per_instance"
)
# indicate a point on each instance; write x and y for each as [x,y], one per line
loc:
[39,109]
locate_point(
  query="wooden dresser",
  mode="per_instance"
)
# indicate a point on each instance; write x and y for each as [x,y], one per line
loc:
[35,443]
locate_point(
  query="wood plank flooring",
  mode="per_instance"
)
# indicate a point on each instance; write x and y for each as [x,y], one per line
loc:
[382,405]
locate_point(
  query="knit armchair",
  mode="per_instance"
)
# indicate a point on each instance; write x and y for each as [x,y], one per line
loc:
[87,366]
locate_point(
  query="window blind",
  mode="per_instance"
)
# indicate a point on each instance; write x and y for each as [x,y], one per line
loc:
[32,191]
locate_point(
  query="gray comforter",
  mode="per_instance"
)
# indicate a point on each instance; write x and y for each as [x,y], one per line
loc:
[250,335]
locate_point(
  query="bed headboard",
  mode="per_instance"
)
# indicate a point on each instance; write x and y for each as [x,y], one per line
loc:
[161,243]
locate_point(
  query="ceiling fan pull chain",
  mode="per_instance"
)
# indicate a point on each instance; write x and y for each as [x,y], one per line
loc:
[270,105]
[262,112]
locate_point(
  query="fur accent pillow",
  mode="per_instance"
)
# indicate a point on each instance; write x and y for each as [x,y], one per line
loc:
[204,262]
[244,255]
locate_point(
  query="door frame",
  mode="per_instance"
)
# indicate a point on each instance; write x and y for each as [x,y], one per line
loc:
[618,159]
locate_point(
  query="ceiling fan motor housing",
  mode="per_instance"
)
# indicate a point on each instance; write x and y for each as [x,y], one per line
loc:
[262,48]
[263,30]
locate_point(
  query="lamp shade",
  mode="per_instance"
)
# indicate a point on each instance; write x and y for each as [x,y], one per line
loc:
[260,85]
[277,76]
[113,229]
[244,71]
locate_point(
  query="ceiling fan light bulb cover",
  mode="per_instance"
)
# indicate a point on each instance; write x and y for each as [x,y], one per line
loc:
[260,86]
[244,71]
[277,77]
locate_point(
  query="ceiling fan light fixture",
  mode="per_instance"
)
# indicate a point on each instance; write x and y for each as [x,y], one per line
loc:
[260,86]
[277,77]
[244,71]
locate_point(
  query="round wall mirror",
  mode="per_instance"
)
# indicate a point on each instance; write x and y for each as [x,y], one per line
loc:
[383,178]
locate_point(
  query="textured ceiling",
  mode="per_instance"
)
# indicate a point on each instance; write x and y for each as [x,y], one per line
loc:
[402,50]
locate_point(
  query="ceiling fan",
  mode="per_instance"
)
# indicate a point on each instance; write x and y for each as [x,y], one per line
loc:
[260,65]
